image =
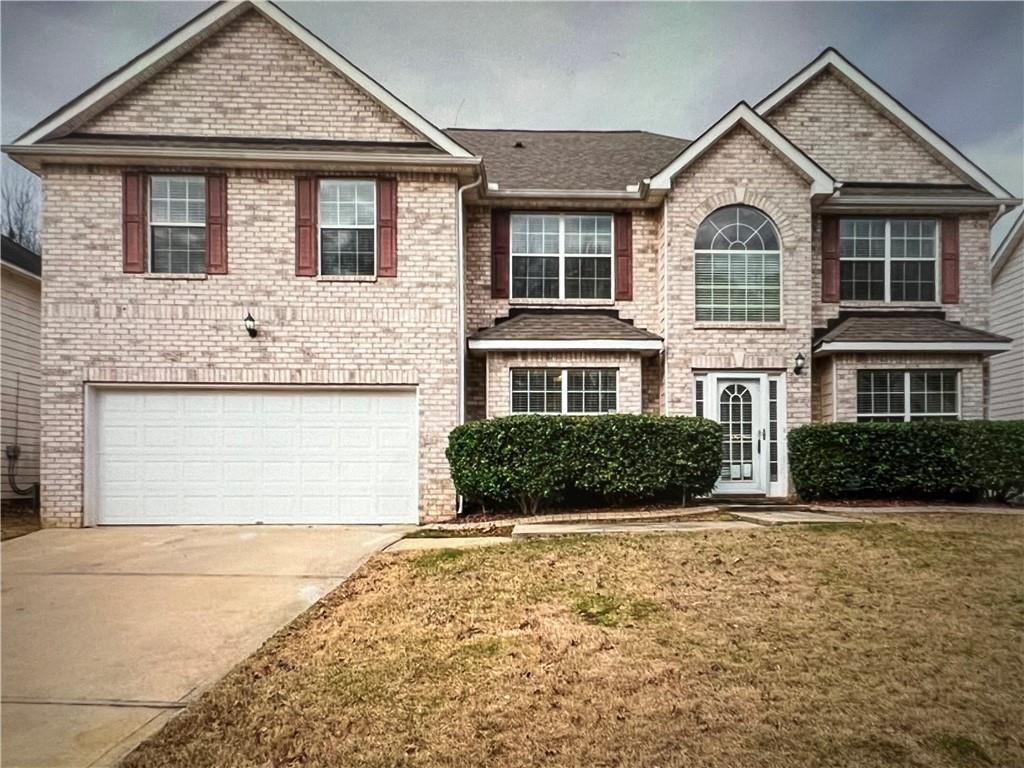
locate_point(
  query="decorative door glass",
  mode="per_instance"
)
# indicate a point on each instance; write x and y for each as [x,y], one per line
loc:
[736,414]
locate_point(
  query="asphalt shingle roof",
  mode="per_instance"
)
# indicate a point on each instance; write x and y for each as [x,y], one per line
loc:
[15,253]
[570,160]
[563,326]
[909,328]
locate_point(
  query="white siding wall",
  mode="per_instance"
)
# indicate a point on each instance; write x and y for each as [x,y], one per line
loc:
[1007,369]
[19,340]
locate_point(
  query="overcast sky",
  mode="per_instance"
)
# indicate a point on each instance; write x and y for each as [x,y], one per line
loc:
[667,67]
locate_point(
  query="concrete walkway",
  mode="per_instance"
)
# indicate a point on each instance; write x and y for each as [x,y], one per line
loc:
[107,632]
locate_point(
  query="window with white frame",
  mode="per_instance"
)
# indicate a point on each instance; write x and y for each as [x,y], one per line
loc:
[561,256]
[564,390]
[925,395]
[888,259]
[737,273]
[177,224]
[348,227]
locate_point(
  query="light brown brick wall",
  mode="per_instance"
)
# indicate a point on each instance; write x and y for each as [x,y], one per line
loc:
[252,79]
[845,369]
[100,324]
[975,303]
[500,363]
[481,309]
[739,169]
[851,139]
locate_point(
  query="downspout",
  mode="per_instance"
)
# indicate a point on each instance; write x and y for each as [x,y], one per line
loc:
[461,307]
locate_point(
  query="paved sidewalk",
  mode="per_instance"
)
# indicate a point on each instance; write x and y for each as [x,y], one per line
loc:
[576,529]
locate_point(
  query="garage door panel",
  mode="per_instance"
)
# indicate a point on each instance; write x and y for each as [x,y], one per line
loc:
[243,456]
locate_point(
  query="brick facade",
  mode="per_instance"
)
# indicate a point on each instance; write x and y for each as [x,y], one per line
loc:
[102,325]
[254,80]
[845,367]
[852,140]
[251,79]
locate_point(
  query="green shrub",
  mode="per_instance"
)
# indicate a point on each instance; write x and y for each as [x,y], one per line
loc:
[524,461]
[913,460]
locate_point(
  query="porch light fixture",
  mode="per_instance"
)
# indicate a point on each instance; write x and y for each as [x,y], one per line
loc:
[798,363]
[250,325]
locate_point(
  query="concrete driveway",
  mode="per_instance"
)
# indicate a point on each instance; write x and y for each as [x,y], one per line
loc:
[108,632]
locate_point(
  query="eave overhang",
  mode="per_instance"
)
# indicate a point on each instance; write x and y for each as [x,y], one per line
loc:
[566,345]
[826,348]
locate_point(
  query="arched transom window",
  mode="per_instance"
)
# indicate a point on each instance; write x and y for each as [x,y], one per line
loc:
[737,257]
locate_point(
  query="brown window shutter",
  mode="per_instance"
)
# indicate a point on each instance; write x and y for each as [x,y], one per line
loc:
[950,260]
[133,220]
[387,228]
[305,226]
[624,256]
[216,224]
[499,254]
[829,258]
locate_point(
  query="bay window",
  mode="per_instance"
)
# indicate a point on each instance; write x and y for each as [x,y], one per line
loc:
[888,259]
[564,390]
[924,395]
[561,256]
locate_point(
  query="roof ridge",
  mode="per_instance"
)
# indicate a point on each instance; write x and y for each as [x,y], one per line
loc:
[568,130]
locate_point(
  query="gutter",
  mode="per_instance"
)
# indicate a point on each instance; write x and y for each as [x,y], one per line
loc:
[592,345]
[146,155]
[954,347]
[840,203]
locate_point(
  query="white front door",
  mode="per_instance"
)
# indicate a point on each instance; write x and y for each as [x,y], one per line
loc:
[739,409]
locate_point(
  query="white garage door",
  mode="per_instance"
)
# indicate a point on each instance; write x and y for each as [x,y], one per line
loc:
[188,456]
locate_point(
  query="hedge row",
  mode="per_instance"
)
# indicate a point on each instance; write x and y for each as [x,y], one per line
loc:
[963,460]
[526,461]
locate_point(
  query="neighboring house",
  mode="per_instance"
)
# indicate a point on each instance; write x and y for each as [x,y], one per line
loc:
[20,287]
[821,256]
[1006,370]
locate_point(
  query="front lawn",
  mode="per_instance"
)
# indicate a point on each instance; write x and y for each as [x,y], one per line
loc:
[896,643]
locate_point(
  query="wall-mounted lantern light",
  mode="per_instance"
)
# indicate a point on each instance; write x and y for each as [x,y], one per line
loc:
[798,363]
[250,324]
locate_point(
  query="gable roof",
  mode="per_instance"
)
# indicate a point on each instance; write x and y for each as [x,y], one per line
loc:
[1010,243]
[17,255]
[742,114]
[831,59]
[569,160]
[189,36]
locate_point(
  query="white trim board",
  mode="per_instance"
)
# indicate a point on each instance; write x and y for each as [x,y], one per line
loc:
[742,114]
[546,345]
[1010,242]
[832,58]
[187,37]
[958,347]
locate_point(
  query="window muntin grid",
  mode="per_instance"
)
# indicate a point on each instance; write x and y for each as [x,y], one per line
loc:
[564,390]
[920,395]
[348,227]
[561,256]
[737,272]
[177,224]
[888,259]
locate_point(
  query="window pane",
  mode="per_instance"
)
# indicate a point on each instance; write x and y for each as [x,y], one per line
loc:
[591,390]
[880,394]
[347,203]
[178,249]
[737,286]
[536,390]
[535,277]
[347,251]
[177,200]
[737,227]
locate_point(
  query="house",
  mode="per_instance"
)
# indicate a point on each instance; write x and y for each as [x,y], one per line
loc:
[273,288]
[1006,370]
[20,285]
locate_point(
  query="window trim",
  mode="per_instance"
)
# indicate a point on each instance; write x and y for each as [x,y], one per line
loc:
[150,178]
[561,298]
[781,321]
[906,414]
[320,228]
[564,373]
[887,260]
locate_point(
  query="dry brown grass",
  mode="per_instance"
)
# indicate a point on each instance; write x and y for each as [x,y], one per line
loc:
[896,643]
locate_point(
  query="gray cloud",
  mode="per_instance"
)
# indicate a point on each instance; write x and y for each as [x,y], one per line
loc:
[667,67]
